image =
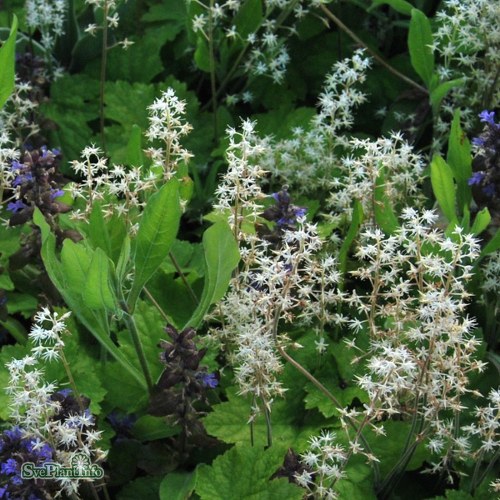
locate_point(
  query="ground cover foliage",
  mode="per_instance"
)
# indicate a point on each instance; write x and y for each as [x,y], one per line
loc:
[250,248]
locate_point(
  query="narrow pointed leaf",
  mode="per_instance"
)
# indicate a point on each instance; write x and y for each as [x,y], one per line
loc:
[419,41]
[221,258]
[97,293]
[7,64]
[443,186]
[157,231]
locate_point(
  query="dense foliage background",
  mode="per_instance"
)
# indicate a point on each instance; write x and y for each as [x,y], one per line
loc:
[250,248]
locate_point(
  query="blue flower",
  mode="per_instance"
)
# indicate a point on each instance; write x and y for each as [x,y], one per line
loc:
[14,434]
[9,466]
[16,206]
[56,193]
[208,379]
[487,117]
[477,178]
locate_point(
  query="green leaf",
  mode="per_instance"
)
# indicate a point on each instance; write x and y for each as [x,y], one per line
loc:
[221,257]
[249,17]
[440,92]
[149,428]
[419,41]
[95,321]
[459,158]
[142,61]
[481,222]
[135,155]
[157,231]
[177,486]
[357,485]
[493,245]
[400,6]
[228,422]
[443,186]
[143,487]
[97,293]
[7,64]
[202,54]
[244,472]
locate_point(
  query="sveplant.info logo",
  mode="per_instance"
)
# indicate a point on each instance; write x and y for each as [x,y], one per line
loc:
[81,468]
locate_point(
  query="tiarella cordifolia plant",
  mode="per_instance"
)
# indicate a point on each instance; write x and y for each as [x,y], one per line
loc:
[323,463]
[120,189]
[281,278]
[58,423]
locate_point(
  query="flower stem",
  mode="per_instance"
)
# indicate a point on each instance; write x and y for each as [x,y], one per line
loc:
[379,59]
[132,328]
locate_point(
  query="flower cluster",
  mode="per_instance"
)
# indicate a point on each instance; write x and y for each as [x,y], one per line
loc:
[183,383]
[309,160]
[167,125]
[49,17]
[44,414]
[16,448]
[357,175]
[422,347]
[118,189]
[281,278]
[239,192]
[35,183]
[467,40]
[16,117]
[487,160]
[266,49]
[324,463]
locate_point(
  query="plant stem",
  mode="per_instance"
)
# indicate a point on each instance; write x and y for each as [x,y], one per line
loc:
[155,303]
[213,84]
[183,278]
[129,320]
[104,60]
[379,59]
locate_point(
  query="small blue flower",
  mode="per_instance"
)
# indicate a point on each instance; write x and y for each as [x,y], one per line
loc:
[487,117]
[478,141]
[16,206]
[477,178]
[16,165]
[56,193]
[208,379]
[14,434]
[9,466]
[21,179]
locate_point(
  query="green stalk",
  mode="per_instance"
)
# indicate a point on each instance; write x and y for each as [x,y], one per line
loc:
[132,328]
[104,60]
[213,84]
[379,59]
